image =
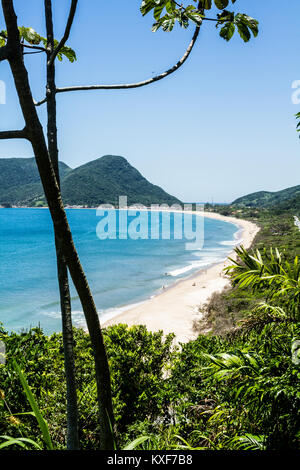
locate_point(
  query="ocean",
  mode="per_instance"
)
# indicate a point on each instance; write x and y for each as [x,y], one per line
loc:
[121,272]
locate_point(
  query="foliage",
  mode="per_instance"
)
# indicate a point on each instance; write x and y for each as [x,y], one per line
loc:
[22,442]
[235,392]
[298,124]
[30,36]
[20,181]
[167,12]
[138,356]
[97,182]
[224,311]
[31,351]
[34,406]
[142,358]
[253,388]
[285,199]
[277,226]
[268,271]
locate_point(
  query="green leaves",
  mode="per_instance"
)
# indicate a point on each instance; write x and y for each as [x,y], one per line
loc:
[244,24]
[223,365]
[22,442]
[228,31]
[205,4]
[30,36]
[34,406]
[167,12]
[67,52]
[269,271]
[250,442]
[221,4]
[194,15]
[2,38]
[172,14]
[134,444]
[298,125]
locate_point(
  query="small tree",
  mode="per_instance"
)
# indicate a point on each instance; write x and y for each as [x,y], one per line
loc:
[15,42]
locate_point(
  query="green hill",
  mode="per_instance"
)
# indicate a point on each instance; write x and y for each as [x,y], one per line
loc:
[97,182]
[285,199]
[20,181]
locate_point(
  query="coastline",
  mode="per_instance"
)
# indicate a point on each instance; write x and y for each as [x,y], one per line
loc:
[175,309]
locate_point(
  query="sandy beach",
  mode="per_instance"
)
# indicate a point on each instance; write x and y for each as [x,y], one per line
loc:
[175,309]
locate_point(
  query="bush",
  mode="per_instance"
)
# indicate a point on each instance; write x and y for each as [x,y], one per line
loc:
[138,360]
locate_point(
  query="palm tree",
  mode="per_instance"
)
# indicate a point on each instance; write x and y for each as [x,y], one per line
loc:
[271,272]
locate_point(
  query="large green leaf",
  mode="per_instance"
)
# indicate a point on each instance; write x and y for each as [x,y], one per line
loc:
[206,4]
[18,441]
[228,31]
[34,406]
[245,25]
[221,4]
[134,444]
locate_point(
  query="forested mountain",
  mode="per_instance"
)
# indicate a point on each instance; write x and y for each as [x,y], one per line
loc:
[97,182]
[105,179]
[20,181]
[285,199]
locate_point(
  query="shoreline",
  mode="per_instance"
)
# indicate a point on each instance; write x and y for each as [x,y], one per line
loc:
[175,309]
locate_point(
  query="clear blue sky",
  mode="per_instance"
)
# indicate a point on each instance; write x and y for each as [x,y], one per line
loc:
[220,127]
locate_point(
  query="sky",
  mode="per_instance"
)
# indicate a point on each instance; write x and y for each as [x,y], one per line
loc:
[220,127]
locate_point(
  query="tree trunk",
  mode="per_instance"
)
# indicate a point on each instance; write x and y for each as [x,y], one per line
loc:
[62,271]
[35,135]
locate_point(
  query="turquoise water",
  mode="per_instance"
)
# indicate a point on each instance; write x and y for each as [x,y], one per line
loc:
[120,272]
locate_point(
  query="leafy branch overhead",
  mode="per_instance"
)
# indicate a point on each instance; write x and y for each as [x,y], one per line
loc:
[167,12]
[30,38]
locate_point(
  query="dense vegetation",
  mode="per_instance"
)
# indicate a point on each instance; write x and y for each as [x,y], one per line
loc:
[101,181]
[20,181]
[281,200]
[235,387]
[277,230]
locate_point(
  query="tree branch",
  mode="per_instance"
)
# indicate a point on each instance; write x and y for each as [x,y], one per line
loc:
[3,53]
[22,134]
[39,103]
[30,53]
[67,32]
[138,84]
[38,48]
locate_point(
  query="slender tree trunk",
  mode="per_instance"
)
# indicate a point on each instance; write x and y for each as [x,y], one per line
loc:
[62,271]
[35,135]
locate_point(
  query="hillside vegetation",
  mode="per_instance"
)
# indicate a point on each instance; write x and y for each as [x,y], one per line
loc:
[105,179]
[226,309]
[101,181]
[281,200]
[20,181]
